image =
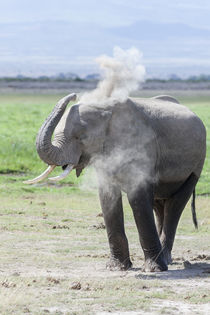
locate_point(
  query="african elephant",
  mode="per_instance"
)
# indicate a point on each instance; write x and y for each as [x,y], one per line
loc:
[152,149]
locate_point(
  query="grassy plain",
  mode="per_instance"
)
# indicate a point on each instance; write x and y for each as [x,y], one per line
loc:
[21,116]
[53,247]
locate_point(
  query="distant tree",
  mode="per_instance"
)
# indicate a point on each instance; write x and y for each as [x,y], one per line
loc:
[174,77]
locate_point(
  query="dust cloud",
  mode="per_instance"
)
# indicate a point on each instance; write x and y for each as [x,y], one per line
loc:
[122,74]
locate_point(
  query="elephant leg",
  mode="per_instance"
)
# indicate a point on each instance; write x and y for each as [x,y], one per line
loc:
[172,212]
[142,205]
[159,214]
[111,203]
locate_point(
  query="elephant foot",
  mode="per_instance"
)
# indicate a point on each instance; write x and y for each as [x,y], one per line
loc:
[167,256]
[151,265]
[114,264]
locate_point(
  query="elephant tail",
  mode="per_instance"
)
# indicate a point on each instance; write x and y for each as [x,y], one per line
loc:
[194,217]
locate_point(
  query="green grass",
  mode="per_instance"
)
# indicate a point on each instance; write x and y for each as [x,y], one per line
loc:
[20,119]
[201,106]
[21,116]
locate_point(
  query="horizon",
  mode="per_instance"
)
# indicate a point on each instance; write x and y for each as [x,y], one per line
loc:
[97,77]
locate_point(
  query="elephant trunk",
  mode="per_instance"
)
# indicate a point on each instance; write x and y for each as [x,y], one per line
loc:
[48,152]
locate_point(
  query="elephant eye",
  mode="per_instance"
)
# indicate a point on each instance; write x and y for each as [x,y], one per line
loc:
[80,137]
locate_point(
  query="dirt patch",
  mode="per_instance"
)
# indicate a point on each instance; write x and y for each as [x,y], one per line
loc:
[60,227]
[171,292]
[99,226]
[63,270]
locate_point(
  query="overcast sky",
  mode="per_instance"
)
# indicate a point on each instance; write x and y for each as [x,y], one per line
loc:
[86,17]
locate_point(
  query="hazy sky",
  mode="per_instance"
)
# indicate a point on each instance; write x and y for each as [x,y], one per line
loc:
[109,12]
[94,23]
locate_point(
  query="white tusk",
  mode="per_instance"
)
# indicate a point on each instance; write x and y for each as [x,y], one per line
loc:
[42,176]
[63,175]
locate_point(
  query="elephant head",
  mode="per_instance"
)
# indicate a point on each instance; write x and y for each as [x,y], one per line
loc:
[79,134]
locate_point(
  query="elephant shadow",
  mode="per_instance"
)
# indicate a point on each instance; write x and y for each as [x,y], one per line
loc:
[189,270]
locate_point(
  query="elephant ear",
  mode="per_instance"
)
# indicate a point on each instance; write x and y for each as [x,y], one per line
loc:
[99,114]
[96,124]
[101,122]
[95,120]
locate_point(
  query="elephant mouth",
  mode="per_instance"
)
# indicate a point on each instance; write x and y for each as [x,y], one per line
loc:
[67,168]
[63,175]
[41,177]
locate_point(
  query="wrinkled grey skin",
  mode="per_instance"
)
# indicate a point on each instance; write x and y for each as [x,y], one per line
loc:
[152,149]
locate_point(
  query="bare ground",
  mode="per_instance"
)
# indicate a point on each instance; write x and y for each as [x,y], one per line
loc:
[84,285]
[53,262]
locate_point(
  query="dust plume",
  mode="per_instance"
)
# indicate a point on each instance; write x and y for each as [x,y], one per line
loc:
[122,74]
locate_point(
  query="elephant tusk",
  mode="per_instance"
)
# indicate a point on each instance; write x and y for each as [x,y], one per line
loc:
[63,175]
[42,176]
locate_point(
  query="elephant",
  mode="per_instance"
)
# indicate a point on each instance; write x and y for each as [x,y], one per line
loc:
[152,149]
